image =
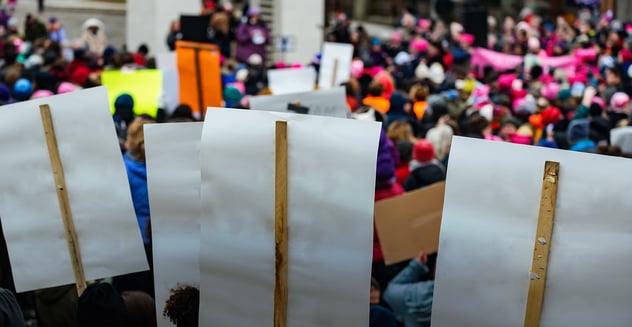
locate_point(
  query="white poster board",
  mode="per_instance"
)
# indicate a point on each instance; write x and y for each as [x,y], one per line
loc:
[335,65]
[100,200]
[330,219]
[291,80]
[332,102]
[488,234]
[168,65]
[173,180]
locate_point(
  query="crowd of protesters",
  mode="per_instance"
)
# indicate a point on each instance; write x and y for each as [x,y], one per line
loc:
[420,83]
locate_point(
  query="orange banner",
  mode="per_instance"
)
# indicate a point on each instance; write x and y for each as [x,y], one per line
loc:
[200,77]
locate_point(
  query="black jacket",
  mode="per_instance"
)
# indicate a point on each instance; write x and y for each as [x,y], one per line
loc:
[424,176]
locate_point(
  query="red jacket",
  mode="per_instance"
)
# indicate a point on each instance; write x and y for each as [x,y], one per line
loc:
[402,172]
[383,194]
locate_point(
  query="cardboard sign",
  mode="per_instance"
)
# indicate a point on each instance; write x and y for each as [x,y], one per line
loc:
[173,181]
[410,222]
[335,65]
[291,80]
[170,96]
[488,233]
[330,103]
[200,77]
[96,182]
[329,218]
[144,86]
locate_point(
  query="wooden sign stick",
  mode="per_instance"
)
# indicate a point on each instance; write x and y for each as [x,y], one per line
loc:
[335,74]
[62,197]
[281,226]
[543,236]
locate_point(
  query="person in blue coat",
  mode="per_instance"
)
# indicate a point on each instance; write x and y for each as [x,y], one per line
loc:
[410,296]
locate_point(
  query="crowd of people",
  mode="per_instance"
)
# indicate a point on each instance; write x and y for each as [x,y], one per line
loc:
[420,83]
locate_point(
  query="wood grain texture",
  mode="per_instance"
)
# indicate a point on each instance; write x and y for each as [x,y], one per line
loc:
[539,266]
[62,197]
[281,225]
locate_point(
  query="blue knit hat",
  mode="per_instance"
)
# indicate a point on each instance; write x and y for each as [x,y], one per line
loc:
[124,101]
[22,89]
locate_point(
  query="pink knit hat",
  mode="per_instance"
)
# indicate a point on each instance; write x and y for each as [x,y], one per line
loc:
[468,38]
[420,45]
[550,91]
[41,94]
[618,101]
[424,23]
[357,67]
[505,81]
[599,101]
[66,87]
[396,36]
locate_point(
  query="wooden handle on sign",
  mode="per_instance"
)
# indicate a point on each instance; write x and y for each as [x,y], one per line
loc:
[542,246]
[335,74]
[280,226]
[62,197]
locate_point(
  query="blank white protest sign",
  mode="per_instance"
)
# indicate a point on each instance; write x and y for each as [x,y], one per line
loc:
[335,64]
[330,219]
[291,80]
[488,233]
[109,238]
[331,102]
[173,180]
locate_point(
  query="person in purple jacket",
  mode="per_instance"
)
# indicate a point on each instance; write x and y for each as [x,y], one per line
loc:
[252,36]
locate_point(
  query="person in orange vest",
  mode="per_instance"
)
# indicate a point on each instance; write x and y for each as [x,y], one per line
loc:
[376,98]
[419,94]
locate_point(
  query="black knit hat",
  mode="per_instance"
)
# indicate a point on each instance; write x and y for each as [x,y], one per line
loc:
[101,306]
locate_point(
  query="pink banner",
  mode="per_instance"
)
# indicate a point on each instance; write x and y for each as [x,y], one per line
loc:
[564,62]
[502,62]
[499,61]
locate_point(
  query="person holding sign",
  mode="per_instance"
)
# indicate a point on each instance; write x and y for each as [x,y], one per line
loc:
[410,293]
[252,36]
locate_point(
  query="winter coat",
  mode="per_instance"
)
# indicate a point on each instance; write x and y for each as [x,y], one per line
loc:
[422,175]
[57,306]
[95,43]
[248,35]
[411,299]
[137,177]
[10,313]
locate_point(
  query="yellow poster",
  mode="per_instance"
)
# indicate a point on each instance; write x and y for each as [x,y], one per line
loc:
[144,86]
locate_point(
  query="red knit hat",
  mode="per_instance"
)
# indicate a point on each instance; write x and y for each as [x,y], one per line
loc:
[423,151]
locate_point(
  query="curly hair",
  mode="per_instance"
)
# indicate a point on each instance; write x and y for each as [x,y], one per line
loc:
[182,307]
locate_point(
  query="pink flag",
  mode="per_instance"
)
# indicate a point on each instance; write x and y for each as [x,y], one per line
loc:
[499,61]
